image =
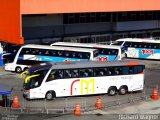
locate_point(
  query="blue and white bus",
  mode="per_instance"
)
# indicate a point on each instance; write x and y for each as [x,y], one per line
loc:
[106,52]
[140,48]
[32,54]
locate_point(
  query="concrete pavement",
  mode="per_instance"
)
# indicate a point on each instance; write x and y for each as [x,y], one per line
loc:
[146,110]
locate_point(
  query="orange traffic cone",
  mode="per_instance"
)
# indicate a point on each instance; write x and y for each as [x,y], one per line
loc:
[77,111]
[99,103]
[155,94]
[15,102]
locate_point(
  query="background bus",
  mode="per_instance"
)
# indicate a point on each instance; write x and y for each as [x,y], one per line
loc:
[32,54]
[10,53]
[140,48]
[52,80]
[106,52]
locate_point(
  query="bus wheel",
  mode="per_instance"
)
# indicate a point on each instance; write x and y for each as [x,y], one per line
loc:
[112,91]
[50,95]
[123,90]
[18,70]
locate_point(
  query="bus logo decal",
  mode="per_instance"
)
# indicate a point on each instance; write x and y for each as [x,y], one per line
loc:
[102,58]
[67,60]
[84,82]
[71,89]
[144,51]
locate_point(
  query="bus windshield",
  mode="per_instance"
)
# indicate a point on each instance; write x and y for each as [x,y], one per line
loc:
[34,79]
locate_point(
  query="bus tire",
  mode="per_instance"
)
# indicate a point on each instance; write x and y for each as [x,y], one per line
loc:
[18,70]
[123,90]
[50,95]
[112,91]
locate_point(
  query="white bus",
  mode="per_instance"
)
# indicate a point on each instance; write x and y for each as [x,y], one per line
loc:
[50,80]
[140,48]
[106,52]
[32,54]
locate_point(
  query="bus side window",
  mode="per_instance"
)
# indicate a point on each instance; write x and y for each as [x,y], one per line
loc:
[126,44]
[58,74]
[144,45]
[55,53]
[155,46]
[103,51]
[59,53]
[89,71]
[135,45]
[138,69]
[86,56]
[40,52]
[47,52]
[109,52]
[51,76]
[101,72]
[116,52]
[140,46]
[85,72]
[117,71]
[37,52]
[131,70]
[125,71]
[149,45]
[33,51]
[109,71]
[129,44]
[96,72]
[75,73]
[80,55]
[67,73]
[73,55]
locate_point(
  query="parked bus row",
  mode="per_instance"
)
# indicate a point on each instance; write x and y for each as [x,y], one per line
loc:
[65,51]
[51,80]
[32,54]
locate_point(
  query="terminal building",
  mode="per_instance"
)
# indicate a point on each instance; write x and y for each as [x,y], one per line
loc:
[48,21]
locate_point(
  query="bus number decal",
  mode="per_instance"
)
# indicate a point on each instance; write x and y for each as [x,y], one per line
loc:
[84,85]
[144,51]
[102,58]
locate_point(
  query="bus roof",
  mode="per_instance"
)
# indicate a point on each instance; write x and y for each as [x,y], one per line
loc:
[58,48]
[86,45]
[85,64]
[139,40]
